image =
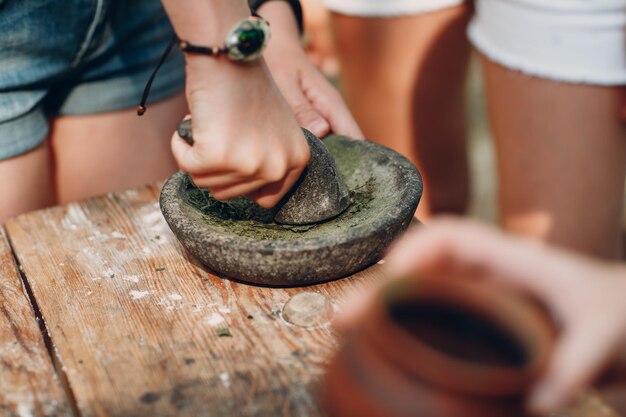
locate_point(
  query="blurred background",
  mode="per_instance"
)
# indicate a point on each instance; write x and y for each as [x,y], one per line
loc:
[320,47]
[483,180]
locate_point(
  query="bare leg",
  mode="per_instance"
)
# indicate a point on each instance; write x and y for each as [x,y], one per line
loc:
[404,79]
[105,152]
[26,182]
[562,159]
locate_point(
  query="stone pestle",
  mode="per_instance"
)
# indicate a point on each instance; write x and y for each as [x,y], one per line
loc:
[320,193]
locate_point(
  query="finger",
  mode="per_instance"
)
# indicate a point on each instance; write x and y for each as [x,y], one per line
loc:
[218,180]
[271,194]
[230,171]
[580,354]
[443,244]
[214,163]
[195,159]
[237,190]
[183,152]
[452,245]
[328,102]
[306,115]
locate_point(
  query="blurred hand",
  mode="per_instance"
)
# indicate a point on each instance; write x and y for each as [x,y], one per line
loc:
[586,296]
[317,104]
[320,46]
[247,140]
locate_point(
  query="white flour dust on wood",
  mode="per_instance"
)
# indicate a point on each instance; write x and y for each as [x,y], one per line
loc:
[137,295]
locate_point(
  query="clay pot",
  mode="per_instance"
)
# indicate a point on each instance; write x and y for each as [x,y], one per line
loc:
[445,348]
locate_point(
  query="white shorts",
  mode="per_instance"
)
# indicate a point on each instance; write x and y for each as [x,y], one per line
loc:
[388,8]
[576,41]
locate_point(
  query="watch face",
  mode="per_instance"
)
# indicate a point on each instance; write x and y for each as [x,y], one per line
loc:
[247,39]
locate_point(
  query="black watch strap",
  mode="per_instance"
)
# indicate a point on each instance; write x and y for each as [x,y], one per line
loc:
[295,6]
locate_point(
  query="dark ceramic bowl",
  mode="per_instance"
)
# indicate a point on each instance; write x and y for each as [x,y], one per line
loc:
[240,241]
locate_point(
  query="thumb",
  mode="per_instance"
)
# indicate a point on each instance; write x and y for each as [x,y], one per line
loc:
[186,156]
[311,120]
[583,350]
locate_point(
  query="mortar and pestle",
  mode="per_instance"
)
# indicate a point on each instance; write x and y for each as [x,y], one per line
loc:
[353,199]
[445,348]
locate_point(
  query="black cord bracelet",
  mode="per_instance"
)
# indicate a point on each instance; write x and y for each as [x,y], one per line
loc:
[202,50]
[216,51]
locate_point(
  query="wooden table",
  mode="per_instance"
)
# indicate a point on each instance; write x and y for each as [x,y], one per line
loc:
[102,313]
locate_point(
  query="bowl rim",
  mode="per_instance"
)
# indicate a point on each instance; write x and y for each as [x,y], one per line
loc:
[191,217]
[519,316]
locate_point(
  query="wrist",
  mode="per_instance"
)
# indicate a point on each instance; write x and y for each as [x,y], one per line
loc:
[210,73]
[294,5]
[281,19]
[205,22]
[286,40]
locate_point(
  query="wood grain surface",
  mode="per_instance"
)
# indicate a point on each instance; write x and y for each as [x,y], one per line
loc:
[28,384]
[141,330]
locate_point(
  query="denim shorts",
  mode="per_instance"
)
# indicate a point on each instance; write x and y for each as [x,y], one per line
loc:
[76,57]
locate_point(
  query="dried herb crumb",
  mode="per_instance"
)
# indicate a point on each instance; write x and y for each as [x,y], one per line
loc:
[223,332]
[157,237]
[274,313]
[160,269]
[112,276]
[150,397]
[250,317]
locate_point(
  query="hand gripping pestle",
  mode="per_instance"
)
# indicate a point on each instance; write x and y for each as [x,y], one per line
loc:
[320,193]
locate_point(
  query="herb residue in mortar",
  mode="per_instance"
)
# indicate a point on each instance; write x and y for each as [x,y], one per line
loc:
[245,218]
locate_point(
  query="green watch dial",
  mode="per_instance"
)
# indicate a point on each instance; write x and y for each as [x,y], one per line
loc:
[247,39]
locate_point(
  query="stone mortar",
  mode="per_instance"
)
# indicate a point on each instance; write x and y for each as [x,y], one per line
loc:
[319,194]
[240,240]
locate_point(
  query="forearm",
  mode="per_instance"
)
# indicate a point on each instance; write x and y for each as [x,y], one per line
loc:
[205,22]
[282,20]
